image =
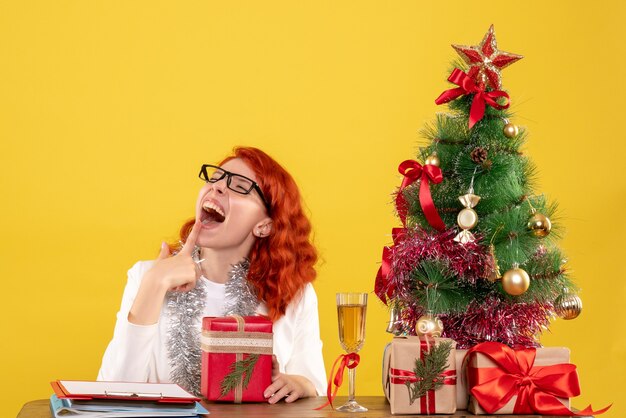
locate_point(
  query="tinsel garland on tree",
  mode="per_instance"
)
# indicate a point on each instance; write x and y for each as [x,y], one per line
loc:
[478,244]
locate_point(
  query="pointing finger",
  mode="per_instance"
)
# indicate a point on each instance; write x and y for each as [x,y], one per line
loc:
[191,239]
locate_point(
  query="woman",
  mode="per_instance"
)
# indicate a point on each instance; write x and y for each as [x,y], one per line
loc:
[247,251]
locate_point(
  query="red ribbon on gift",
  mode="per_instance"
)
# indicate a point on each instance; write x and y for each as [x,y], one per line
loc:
[536,387]
[350,361]
[382,287]
[481,97]
[412,171]
[401,377]
[427,402]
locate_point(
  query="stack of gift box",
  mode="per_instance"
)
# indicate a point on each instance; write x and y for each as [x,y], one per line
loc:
[489,378]
[421,374]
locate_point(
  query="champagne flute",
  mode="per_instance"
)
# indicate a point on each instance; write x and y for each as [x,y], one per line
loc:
[351,308]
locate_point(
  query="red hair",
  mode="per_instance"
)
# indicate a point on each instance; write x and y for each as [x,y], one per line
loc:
[281,264]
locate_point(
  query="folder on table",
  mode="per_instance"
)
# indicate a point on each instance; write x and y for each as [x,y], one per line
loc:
[127,391]
[67,408]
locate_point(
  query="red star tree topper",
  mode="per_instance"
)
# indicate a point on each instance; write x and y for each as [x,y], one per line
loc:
[486,60]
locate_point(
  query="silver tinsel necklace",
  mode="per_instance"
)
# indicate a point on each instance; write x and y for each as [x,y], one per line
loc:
[186,310]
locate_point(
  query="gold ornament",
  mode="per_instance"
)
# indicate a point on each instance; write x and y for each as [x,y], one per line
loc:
[467,218]
[568,306]
[510,130]
[432,159]
[495,274]
[429,325]
[515,281]
[539,224]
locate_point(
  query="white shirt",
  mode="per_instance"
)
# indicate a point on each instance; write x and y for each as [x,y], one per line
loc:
[138,353]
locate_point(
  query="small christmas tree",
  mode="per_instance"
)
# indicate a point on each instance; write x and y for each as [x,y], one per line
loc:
[477,253]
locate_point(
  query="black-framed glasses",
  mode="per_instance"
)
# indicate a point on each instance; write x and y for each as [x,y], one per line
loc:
[235,182]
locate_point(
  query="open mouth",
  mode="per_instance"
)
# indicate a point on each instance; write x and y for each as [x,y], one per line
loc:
[212,213]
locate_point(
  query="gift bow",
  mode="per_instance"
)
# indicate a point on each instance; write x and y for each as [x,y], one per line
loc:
[481,97]
[536,387]
[350,361]
[412,171]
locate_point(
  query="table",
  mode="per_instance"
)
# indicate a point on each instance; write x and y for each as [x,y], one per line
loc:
[302,408]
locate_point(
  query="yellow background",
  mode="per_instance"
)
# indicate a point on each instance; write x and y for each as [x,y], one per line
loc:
[108,108]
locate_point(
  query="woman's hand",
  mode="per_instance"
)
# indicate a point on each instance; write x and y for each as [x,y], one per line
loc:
[178,272]
[290,386]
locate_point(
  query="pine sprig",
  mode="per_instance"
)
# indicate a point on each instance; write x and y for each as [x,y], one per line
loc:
[437,286]
[239,370]
[429,371]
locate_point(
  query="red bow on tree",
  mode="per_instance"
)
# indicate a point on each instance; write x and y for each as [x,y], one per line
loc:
[412,170]
[481,97]
[537,387]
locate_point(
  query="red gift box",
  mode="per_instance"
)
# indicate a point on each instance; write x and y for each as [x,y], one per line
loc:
[226,340]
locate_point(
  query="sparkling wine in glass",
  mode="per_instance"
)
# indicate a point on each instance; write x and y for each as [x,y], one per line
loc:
[351,309]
